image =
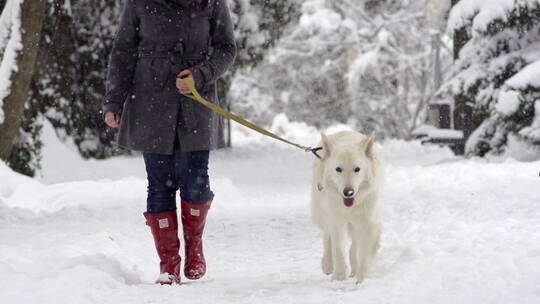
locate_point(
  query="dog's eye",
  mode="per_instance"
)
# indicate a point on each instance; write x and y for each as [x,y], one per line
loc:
[357,169]
[339,170]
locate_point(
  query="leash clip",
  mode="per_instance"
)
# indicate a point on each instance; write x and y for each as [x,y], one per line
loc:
[314,151]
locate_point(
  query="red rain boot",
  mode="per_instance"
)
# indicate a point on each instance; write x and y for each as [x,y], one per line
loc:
[164,228]
[193,220]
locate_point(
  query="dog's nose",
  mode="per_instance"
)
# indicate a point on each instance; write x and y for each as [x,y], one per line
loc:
[348,192]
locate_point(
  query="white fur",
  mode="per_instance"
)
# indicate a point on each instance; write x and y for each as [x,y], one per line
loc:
[361,221]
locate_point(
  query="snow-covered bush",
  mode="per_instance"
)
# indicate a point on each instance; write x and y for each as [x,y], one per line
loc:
[498,70]
[367,64]
[69,82]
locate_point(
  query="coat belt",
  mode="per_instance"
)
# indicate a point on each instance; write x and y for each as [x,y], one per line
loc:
[169,55]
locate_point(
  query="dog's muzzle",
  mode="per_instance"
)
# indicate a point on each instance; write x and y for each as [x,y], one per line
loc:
[348,199]
[348,192]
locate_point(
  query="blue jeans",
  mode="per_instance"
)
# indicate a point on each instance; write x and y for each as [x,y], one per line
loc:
[184,171]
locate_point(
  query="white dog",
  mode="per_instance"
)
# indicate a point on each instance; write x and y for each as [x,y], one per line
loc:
[346,185]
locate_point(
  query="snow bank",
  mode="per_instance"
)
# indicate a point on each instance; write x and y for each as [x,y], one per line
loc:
[17,190]
[518,149]
[307,135]
[101,183]
[404,153]
[59,156]
[11,179]
[455,231]
[298,132]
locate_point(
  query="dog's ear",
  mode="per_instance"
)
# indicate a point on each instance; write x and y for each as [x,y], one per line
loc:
[325,146]
[368,144]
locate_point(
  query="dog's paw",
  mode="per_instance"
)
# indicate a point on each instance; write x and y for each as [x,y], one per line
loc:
[359,279]
[361,274]
[339,276]
[327,266]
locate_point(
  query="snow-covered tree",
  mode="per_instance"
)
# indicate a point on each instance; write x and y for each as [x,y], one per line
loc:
[20,28]
[368,64]
[257,26]
[498,70]
[68,84]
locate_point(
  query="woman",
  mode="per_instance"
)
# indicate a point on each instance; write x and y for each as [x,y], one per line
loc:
[158,42]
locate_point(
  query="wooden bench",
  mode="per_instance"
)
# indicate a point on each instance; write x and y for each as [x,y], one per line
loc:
[438,129]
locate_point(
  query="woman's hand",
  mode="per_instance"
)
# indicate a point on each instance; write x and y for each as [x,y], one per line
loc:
[112,119]
[181,85]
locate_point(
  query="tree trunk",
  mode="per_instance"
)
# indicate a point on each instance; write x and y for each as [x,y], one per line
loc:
[32,15]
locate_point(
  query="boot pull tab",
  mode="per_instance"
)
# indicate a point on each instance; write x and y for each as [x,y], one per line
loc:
[194,212]
[163,223]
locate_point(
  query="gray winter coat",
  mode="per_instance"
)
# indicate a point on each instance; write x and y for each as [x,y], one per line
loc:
[156,40]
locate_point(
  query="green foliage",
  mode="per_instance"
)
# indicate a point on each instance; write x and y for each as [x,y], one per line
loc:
[68,85]
[25,157]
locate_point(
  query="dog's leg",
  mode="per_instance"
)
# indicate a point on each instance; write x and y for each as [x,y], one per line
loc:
[353,253]
[369,238]
[327,263]
[338,240]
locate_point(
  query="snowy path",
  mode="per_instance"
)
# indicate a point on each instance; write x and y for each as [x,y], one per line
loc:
[455,231]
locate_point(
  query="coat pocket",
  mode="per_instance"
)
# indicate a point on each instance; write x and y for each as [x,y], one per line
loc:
[189,117]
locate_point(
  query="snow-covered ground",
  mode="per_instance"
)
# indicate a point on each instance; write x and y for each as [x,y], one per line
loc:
[455,231]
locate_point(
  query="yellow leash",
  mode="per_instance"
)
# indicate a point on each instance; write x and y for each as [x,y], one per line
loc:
[195,95]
